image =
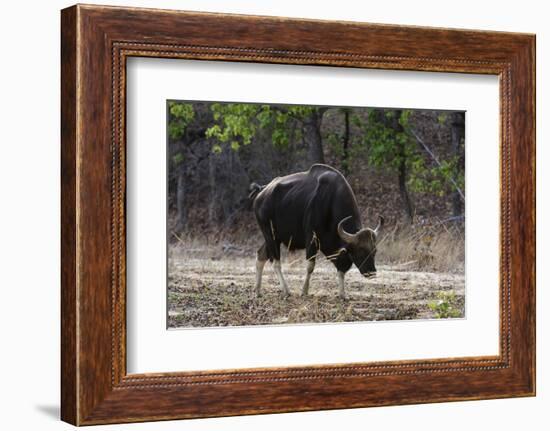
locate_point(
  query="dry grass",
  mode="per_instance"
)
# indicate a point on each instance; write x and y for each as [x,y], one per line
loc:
[211,283]
[435,248]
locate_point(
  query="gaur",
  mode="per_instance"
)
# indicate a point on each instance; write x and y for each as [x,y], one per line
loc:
[314,210]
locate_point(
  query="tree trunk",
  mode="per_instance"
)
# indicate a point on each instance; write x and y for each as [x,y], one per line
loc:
[457,133]
[345,144]
[403,191]
[402,170]
[312,136]
[212,206]
[181,203]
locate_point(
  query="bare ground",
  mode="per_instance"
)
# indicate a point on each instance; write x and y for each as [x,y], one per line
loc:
[206,289]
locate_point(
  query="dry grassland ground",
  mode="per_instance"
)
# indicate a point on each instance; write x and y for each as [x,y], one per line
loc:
[214,286]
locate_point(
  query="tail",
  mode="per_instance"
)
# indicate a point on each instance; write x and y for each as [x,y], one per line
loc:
[253,191]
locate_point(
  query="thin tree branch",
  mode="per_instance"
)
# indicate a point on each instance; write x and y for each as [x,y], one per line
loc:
[432,155]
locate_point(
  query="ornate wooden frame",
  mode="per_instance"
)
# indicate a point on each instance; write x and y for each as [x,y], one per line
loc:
[95,43]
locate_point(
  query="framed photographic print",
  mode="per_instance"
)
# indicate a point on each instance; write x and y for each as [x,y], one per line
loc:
[264,214]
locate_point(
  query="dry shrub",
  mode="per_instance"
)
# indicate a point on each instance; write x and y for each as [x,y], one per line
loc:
[436,247]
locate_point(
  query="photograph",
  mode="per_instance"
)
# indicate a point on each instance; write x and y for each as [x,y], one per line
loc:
[275,210]
[302,214]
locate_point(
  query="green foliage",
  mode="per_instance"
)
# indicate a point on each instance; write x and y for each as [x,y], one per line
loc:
[346,148]
[446,306]
[180,116]
[437,179]
[233,123]
[334,142]
[385,145]
[238,123]
[177,158]
[389,148]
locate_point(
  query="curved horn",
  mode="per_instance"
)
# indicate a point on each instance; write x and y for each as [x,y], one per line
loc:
[380,224]
[345,236]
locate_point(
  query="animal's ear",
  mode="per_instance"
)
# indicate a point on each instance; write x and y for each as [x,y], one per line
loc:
[380,225]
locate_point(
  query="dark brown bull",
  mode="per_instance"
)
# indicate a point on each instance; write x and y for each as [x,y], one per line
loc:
[317,211]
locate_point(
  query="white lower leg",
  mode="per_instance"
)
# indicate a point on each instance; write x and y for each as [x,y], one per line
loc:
[310,268]
[341,276]
[259,271]
[279,272]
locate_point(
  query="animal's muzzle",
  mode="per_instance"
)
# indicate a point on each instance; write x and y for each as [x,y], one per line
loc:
[369,274]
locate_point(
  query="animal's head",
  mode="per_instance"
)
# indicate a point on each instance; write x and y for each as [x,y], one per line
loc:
[361,246]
